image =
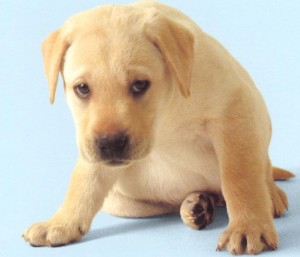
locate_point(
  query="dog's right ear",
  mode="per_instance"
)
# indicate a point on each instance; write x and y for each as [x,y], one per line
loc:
[53,49]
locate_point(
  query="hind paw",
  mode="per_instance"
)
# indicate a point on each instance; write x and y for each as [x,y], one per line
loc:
[198,210]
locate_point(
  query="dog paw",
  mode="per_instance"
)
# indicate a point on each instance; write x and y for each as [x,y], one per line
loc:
[53,233]
[249,239]
[280,202]
[197,210]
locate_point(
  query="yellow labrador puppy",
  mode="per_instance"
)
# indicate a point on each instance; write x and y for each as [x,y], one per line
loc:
[167,122]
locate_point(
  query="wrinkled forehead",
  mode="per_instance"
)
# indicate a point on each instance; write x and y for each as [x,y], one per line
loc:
[111,54]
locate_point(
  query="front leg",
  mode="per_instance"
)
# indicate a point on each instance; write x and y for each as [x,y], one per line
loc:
[242,151]
[73,220]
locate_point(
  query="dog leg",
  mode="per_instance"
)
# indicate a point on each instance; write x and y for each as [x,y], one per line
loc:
[241,149]
[84,198]
[119,205]
[198,209]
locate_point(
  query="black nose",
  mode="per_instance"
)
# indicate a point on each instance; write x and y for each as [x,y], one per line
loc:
[113,146]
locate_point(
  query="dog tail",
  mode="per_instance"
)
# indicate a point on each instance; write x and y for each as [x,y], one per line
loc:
[281,174]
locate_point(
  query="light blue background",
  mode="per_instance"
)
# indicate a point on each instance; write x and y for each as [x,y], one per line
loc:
[37,140]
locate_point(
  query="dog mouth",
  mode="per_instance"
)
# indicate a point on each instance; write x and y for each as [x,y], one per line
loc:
[116,162]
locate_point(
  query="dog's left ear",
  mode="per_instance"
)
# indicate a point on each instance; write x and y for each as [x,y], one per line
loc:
[53,49]
[176,43]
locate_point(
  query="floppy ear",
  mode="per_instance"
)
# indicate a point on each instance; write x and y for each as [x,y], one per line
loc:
[176,43]
[53,48]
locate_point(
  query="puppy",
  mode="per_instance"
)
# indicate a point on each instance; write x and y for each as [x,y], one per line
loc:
[167,122]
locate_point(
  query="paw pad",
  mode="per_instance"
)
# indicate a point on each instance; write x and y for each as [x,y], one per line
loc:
[197,210]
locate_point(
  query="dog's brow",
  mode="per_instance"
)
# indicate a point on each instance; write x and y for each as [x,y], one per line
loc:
[137,72]
[78,76]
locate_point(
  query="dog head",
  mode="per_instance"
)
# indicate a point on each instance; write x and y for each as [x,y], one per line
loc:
[120,66]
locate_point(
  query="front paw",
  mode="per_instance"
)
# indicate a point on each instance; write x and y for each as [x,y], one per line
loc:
[249,238]
[54,233]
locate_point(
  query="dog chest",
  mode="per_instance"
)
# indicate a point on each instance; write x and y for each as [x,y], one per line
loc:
[169,176]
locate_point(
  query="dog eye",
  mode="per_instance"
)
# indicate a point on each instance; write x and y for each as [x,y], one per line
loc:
[139,87]
[82,90]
